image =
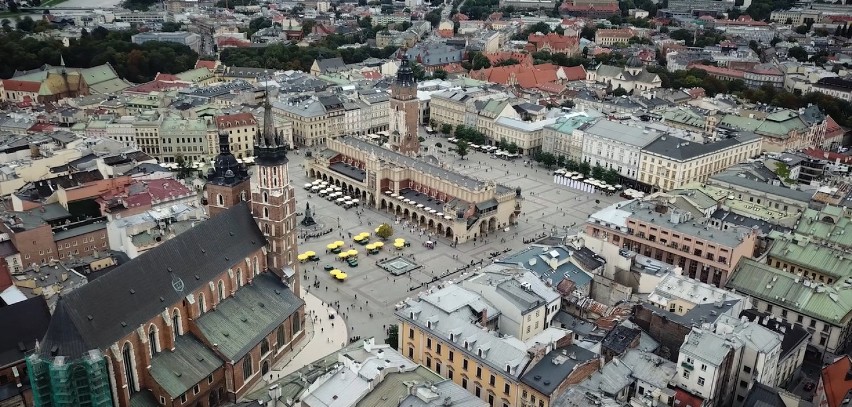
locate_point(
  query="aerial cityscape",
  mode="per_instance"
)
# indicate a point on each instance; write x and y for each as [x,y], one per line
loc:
[425,203]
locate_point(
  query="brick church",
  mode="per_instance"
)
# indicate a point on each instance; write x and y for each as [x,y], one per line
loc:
[196,321]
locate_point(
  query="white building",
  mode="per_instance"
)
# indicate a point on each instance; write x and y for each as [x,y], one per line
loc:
[703,364]
[759,360]
[617,146]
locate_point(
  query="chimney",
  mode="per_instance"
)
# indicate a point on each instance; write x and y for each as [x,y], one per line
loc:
[483,317]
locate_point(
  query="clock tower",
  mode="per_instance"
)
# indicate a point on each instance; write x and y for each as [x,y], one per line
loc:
[405,111]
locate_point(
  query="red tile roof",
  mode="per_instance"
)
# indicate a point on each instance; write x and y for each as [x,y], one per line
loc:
[556,42]
[834,381]
[21,86]
[686,399]
[232,42]
[522,57]
[145,193]
[524,76]
[582,8]
[715,70]
[827,155]
[166,77]
[574,73]
[156,85]
[235,120]
[202,63]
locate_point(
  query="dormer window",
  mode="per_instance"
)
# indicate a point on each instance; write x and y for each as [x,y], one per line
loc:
[509,369]
[452,337]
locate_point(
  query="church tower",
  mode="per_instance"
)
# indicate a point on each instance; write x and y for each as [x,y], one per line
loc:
[273,202]
[405,111]
[227,181]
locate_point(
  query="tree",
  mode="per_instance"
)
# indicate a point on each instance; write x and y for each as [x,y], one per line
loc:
[384,231]
[183,168]
[798,53]
[170,26]
[7,25]
[393,336]
[598,171]
[610,176]
[588,33]
[619,92]
[507,62]
[26,24]
[802,29]
[439,74]
[512,148]
[462,148]
[584,168]
[479,61]
[547,159]
[447,128]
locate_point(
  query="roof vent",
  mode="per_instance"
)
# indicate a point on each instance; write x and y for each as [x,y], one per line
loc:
[132,291]
[90,317]
[123,324]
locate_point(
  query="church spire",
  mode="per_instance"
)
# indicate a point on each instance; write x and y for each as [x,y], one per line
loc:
[269,148]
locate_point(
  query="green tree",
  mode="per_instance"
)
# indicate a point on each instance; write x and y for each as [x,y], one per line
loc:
[393,336]
[610,176]
[26,24]
[598,171]
[799,53]
[7,25]
[447,128]
[439,74]
[507,62]
[171,26]
[512,148]
[619,92]
[584,168]
[462,149]
[547,159]
[184,170]
[802,29]
[384,231]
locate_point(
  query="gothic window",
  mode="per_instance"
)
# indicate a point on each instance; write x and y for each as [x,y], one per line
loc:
[219,200]
[297,323]
[129,373]
[239,278]
[221,290]
[280,336]
[266,213]
[152,340]
[243,196]
[256,266]
[247,368]
[202,307]
[265,197]
[266,229]
[176,322]
[264,347]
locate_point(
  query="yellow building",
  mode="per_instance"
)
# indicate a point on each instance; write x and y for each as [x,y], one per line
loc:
[669,162]
[452,331]
[450,107]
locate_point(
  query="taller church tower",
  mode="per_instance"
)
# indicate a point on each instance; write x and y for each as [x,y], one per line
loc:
[405,111]
[273,202]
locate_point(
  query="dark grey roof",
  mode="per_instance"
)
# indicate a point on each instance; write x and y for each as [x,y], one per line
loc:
[143,399]
[619,339]
[22,324]
[761,395]
[240,322]
[682,150]
[7,248]
[747,222]
[62,336]
[177,371]
[698,315]
[330,64]
[793,334]
[557,365]
[110,307]
[348,170]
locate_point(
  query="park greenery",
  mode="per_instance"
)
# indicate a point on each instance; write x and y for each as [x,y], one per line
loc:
[549,160]
[136,63]
[286,57]
[384,231]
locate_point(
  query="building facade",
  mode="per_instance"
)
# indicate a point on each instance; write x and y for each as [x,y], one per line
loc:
[404,112]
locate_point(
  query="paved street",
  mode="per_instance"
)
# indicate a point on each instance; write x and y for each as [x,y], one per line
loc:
[371,290]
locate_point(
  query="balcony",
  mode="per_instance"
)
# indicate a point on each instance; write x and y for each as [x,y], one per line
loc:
[687,366]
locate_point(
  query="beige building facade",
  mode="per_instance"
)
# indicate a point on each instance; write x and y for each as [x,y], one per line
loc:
[445,203]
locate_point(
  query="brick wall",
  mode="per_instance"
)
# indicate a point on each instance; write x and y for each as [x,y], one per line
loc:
[82,245]
[668,333]
[35,245]
[230,196]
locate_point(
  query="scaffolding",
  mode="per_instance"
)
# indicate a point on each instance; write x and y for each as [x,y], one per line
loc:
[62,382]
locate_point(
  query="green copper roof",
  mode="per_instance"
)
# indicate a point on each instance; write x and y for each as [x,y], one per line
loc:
[190,362]
[829,303]
[812,256]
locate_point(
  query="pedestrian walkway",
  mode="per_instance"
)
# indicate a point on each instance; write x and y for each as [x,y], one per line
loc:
[322,337]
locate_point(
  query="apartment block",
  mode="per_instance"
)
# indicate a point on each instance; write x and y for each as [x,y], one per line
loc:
[669,234]
[315,119]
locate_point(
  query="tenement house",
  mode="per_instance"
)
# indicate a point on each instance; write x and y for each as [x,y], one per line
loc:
[616,146]
[315,118]
[658,230]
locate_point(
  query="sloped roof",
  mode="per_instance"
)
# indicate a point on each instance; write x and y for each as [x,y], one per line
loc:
[97,314]
[177,371]
[835,382]
[22,323]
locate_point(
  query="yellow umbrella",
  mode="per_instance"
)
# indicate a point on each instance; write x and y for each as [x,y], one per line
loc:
[399,244]
[365,234]
[339,243]
[331,246]
[358,238]
[343,255]
[370,246]
[399,240]
[378,245]
[353,252]
[341,276]
[334,272]
[302,257]
[310,253]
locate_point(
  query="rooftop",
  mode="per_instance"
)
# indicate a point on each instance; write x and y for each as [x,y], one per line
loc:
[549,373]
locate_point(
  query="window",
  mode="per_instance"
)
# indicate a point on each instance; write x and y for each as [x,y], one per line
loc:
[477,391]
[438,348]
[279,337]
[152,340]
[743,384]
[700,381]
[183,398]
[221,290]
[449,374]
[703,367]
[506,388]
[451,356]
[264,347]
[129,371]
[490,399]
[210,379]
[464,364]
[176,322]
[202,307]
[464,382]
[478,372]
[219,200]
[429,343]
[411,353]
[686,374]
[747,369]
[196,389]
[492,380]
[248,369]
[410,333]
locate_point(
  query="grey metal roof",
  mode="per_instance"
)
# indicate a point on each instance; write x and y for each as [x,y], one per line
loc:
[549,373]
[650,368]
[732,178]
[683,150]
[241,321]
[622,133]
[448,392]
[612,378]
[22,323]
[404,160]
[190,362]
[114,305]
[644,211]
[706,346]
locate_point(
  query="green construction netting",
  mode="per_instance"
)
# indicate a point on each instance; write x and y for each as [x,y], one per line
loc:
[61,382]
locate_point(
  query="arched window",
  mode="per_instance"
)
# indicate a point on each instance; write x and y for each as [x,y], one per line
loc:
[239,278]
[267,229]
[247,368]
[202,307]
[264,347]
[152,340]
[221,290]
[219,200]
[256,266]
[296,323]
[129,373]
[265,197]
[266,213]
[280,336]
[243,196]
[176,323]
